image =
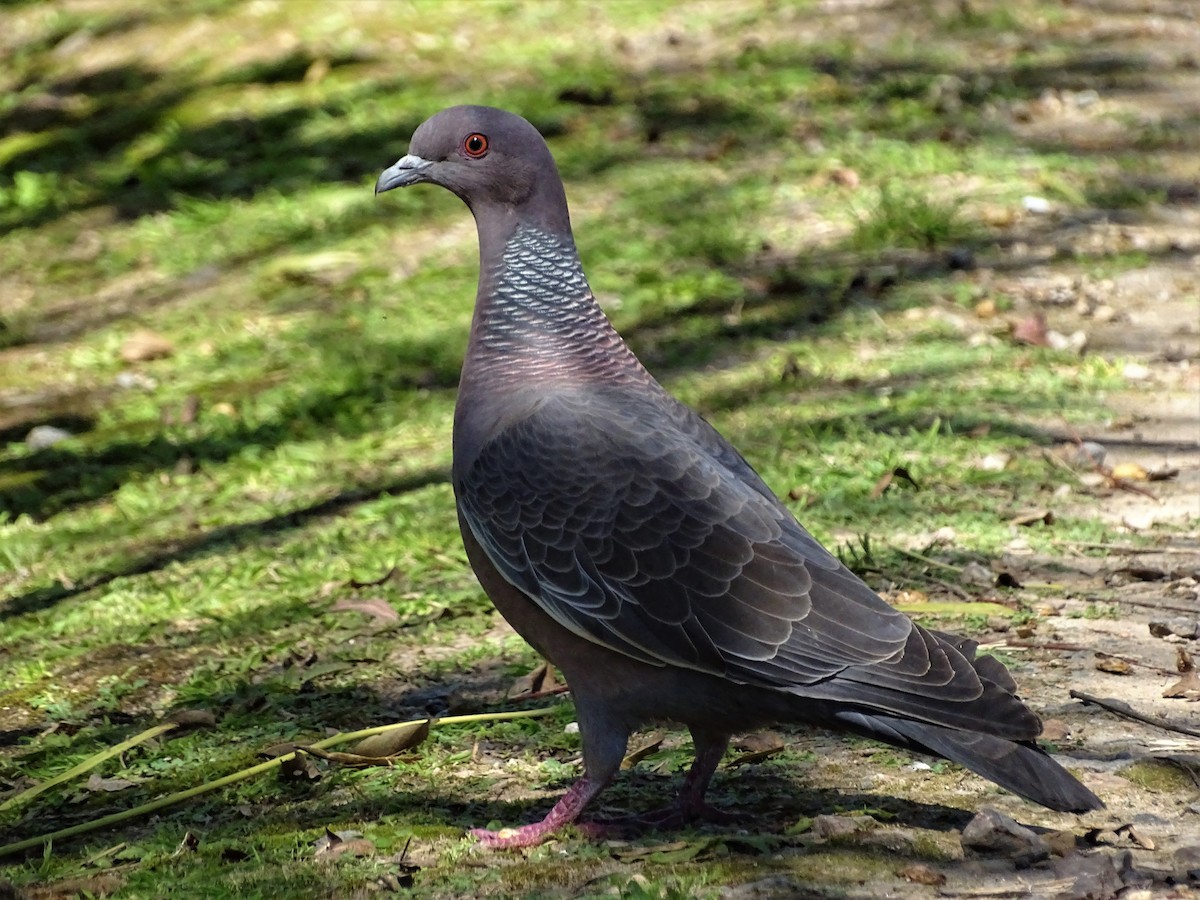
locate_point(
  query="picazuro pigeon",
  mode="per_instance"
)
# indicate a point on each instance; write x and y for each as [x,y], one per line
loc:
[636,549]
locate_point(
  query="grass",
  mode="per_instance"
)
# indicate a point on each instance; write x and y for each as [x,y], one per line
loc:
[203,170]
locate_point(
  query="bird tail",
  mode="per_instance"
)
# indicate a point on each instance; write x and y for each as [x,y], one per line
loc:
[1021,767]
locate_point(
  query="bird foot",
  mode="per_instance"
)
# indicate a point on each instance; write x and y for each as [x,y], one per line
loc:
[512,838]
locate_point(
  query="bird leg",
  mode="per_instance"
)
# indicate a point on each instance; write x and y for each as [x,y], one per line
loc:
[710,747]
[604,743]
[564,812]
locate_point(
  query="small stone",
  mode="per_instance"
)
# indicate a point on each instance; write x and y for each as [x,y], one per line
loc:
[993,832]
[827,826]
[42,436]
[1036,205]
[977,573]
[571,728]
[1136,371]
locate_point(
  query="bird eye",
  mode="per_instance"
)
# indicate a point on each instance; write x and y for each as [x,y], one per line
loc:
[476,145]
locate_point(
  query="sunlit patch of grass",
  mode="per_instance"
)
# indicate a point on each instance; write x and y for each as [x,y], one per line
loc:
[904,217]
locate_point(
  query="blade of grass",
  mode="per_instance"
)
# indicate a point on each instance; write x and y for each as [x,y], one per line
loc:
[87,765]
[242,775]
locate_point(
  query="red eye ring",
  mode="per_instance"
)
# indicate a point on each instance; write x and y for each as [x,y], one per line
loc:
[475,145]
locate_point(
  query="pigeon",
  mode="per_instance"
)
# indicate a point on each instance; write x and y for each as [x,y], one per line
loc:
[632,546]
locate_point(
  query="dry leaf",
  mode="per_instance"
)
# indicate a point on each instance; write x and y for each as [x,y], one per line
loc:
[144,345]
[541,680]
[342,843]
[394,740]
[375,582]
[1130,472]
[1113,665]
[844,177]
[886,481]
[299,767]
[919,873]
[1164,474]
[635,756]
[377,608]
[193,718]
[1186,688]
[281,749]
[108,785]
[1032,517]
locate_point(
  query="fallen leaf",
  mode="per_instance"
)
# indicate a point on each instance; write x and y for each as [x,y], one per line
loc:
[280,749]
[1164,474]
[633,757]
[377,608]
[193,718]
[342,843]
[108,785]
[886,481]
[844,177]
[1186,688]
[394,740]
[919,873]
[1113,665]
[1032,517]
[539,680]
[1130,472]
[145,345]
[299,767]
[374,582]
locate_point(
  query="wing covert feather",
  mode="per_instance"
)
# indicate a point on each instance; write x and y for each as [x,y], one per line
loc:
[632,523]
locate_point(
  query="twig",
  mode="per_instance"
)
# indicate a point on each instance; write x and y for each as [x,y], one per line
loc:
[179,797]
[952,588]
[1100,654]
[1123,709]
[1121,548]
[925,559]
[1046,645]
[88,764]
[1145,604]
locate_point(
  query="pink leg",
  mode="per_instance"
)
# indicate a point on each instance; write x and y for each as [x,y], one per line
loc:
[690,802]
[565,811]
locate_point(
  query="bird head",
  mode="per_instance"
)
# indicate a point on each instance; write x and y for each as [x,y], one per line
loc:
[485,156]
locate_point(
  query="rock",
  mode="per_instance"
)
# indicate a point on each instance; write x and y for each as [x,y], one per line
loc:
[839,826]
[42,436]
[993,832]
[1093,877]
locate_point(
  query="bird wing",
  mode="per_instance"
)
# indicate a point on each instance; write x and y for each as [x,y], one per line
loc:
[633,524]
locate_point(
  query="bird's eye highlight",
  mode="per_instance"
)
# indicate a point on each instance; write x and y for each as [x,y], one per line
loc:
[475,145]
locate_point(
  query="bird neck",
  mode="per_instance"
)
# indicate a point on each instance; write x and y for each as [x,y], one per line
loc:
[535,315]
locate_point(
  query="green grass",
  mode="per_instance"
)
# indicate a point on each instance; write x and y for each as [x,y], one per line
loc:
[204,170]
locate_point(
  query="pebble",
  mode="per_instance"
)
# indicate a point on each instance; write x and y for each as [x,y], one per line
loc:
[1037,205]
[42,436]
[991,831]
